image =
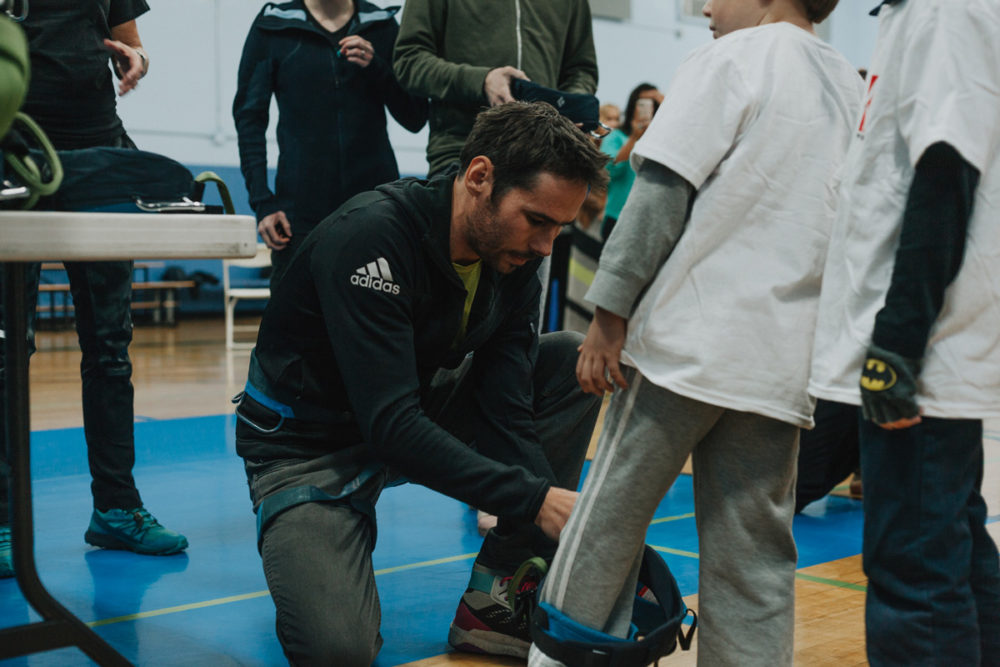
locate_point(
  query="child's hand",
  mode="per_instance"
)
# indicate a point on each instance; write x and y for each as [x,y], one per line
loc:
[597,368]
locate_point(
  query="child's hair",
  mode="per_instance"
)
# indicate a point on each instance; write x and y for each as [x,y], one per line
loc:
[818,10]
[609,110]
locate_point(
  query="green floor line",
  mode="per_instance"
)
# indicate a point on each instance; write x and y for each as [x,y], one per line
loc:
[830,582]
[798,575]
[259,594]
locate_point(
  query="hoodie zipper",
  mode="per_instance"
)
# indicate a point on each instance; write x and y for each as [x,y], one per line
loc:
[517,28]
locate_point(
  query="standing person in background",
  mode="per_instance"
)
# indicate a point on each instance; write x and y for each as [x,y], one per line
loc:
[328,64]
[69,44]
[463,55]
[909,313]
[643,102]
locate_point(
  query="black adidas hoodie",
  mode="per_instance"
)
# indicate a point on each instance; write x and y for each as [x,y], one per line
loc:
[368,311]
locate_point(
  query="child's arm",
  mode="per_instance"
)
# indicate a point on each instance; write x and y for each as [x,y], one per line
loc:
[647,231]
[931,246]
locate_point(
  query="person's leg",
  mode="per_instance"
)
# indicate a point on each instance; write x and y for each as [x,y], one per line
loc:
[564,419]
[984,576]
[744,490]
[647,436]
[316,555]
[31,277]
[317,560]
[927,566]
[102,296]
[828,453]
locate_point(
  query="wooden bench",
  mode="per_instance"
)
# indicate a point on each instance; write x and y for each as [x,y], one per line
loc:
[158,296]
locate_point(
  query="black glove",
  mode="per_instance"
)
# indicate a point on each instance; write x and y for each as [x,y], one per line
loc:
[888,386]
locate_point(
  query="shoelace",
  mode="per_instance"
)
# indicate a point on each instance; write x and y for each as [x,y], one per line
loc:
[143,520]
[524,582]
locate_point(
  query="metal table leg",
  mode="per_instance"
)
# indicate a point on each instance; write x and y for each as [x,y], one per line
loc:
[60,628]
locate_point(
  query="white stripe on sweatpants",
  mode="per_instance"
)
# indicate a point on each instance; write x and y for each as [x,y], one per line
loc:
[582,511]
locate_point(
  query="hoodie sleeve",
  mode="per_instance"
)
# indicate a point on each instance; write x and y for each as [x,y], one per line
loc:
[254,88]
[503,370]
[370,329]
[578,73]
[419,68]
[410,111]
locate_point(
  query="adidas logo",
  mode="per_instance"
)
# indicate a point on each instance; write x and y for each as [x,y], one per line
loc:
[375,275]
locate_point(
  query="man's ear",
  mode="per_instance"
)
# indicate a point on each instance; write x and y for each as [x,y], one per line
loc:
[479,177]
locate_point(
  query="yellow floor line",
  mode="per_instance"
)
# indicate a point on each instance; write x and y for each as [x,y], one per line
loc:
[412,566]
[676,552]
[178,608]
[672,518]
[259,594]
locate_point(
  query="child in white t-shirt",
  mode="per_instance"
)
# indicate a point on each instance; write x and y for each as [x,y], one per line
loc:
[707,291]
[910,307]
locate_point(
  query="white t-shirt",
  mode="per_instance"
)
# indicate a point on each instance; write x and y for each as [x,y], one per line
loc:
[758,121]
[935,76]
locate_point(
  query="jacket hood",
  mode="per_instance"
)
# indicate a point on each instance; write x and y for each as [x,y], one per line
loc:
[293,15]
[428,203]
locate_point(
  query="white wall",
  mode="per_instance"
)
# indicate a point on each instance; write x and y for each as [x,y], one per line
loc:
[183,109]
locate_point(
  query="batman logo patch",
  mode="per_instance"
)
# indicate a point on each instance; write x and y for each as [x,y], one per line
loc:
[877,375]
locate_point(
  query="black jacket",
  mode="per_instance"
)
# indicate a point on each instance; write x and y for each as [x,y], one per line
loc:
[368,311]
[332,139]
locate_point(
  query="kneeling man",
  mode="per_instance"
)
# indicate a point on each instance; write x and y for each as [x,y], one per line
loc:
[401,343]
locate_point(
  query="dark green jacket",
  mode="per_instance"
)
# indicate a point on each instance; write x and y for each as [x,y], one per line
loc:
[446,47]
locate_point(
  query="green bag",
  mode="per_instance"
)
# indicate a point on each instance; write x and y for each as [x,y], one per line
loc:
[14,71]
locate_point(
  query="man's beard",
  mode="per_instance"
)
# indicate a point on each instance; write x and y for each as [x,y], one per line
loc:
[485,235]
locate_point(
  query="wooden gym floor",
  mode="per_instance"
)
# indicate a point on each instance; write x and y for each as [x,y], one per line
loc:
[210,606]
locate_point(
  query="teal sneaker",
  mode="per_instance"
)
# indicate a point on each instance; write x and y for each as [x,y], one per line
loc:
[133,530]
[6,557]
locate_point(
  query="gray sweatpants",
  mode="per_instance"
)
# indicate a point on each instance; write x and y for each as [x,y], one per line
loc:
[744,480]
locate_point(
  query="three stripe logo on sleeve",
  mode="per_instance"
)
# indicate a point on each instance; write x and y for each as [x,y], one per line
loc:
[375,275]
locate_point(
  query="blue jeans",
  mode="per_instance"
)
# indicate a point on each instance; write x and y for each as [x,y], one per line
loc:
[933,571]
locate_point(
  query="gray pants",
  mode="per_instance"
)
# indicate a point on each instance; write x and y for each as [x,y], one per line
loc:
[317,556]
[744,480]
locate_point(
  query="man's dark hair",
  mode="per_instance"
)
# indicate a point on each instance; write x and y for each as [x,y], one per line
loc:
[818,10]
[525,139]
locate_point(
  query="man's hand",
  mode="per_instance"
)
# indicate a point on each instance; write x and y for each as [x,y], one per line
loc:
[131,64]
[275,230]
[889,388]
[597,368]
[497,84]
[357,50]
[555,511]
